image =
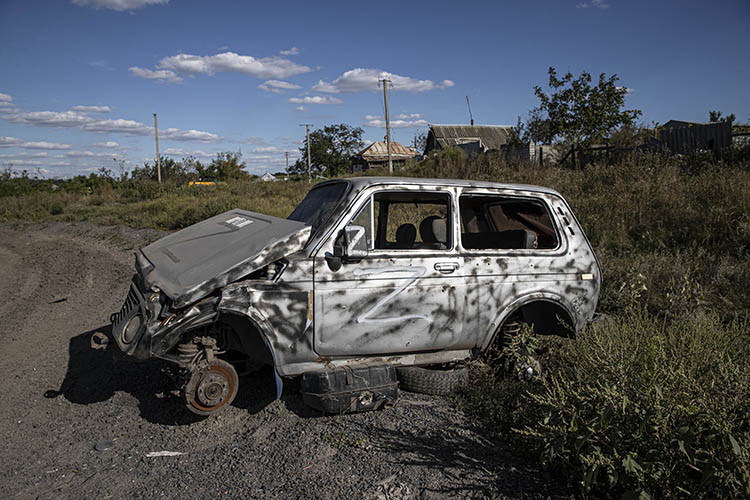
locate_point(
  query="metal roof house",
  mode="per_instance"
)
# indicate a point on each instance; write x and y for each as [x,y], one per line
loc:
[687,137]
[376,154]
[470,138]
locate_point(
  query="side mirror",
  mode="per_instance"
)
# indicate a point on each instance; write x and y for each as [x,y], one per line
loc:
[350,246]
[355,243]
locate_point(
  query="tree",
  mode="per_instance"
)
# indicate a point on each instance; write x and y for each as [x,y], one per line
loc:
[331,149]
[170,170]
[420,141]
[576,112]
[226,166]
[717,116]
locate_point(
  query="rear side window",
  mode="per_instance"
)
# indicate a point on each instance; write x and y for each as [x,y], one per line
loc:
[505,223]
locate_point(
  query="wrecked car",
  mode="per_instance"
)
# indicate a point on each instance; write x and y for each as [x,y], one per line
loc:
[366,273]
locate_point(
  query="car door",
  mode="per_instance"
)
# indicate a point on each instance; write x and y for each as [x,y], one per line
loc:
[512,247]
[407,294]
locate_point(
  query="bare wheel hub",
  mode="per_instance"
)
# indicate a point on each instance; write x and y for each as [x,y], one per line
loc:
[211,387]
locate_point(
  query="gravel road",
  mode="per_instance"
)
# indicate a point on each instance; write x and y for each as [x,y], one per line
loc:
[60,282]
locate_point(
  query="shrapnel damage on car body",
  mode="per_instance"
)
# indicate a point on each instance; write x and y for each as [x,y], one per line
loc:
[349,279]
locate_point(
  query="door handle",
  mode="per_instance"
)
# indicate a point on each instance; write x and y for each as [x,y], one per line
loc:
[446,267]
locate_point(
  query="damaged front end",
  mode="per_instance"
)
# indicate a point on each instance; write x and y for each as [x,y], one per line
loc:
[146,326]
[171,311]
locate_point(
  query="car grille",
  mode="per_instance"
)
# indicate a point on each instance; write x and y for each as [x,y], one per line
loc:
[131,319]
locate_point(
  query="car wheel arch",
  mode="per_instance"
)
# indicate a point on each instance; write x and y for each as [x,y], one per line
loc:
[249,321]
[521,304]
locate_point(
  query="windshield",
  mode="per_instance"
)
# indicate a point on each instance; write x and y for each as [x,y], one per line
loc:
[318,204]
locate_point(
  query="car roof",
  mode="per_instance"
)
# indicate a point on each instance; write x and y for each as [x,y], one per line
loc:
[359,183]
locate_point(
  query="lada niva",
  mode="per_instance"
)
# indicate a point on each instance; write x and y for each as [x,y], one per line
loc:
[407,272]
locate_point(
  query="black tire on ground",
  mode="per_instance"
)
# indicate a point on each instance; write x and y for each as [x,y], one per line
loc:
[431,381]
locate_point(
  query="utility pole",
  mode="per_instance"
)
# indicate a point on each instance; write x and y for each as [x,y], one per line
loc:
[309,168]
[286,153]
[471,117]
[158,158]
[385,82]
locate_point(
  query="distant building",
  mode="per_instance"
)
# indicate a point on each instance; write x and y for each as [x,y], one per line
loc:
[470,138]
[268,177]
[376,155]
[688,137]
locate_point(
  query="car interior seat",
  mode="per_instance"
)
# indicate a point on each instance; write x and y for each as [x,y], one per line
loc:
[434,233]
[406,235]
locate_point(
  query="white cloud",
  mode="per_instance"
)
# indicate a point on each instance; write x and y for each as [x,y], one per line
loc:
[278,86]
[49,118]
[90,154]
[290,52]
[118,126]
[119,5]
[107,144]
[20,162]
[91,109]
[9,141]
[6,101]
[188,135]
[269,149]
[402,120]
[14,142]
[266,67]
[163,75]
[44,145]
[300,108]
[397,123]
[596,4]
[82,121]
[315,99]
[359,79]
[24,154]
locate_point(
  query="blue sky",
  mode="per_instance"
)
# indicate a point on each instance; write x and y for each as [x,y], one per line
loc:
[81,79]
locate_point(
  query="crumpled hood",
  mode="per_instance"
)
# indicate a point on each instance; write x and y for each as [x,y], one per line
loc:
[191,263]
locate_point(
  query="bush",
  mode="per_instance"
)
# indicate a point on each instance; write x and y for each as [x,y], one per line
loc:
[646,407]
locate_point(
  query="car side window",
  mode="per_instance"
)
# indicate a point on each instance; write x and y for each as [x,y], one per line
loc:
[364,219]
[505,223]
[412,220]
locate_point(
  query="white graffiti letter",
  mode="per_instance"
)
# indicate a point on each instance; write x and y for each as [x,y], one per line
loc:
[415,272]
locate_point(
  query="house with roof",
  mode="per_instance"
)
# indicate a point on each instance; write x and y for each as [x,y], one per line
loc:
[376,155]
[470,138]
[687,137]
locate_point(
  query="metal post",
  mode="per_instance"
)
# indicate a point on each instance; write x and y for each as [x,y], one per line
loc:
[309,162]
[309,168]
[387,125]
[158,158]
[471,116]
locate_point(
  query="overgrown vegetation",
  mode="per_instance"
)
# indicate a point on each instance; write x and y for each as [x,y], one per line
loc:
[655,402]
[577,112]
